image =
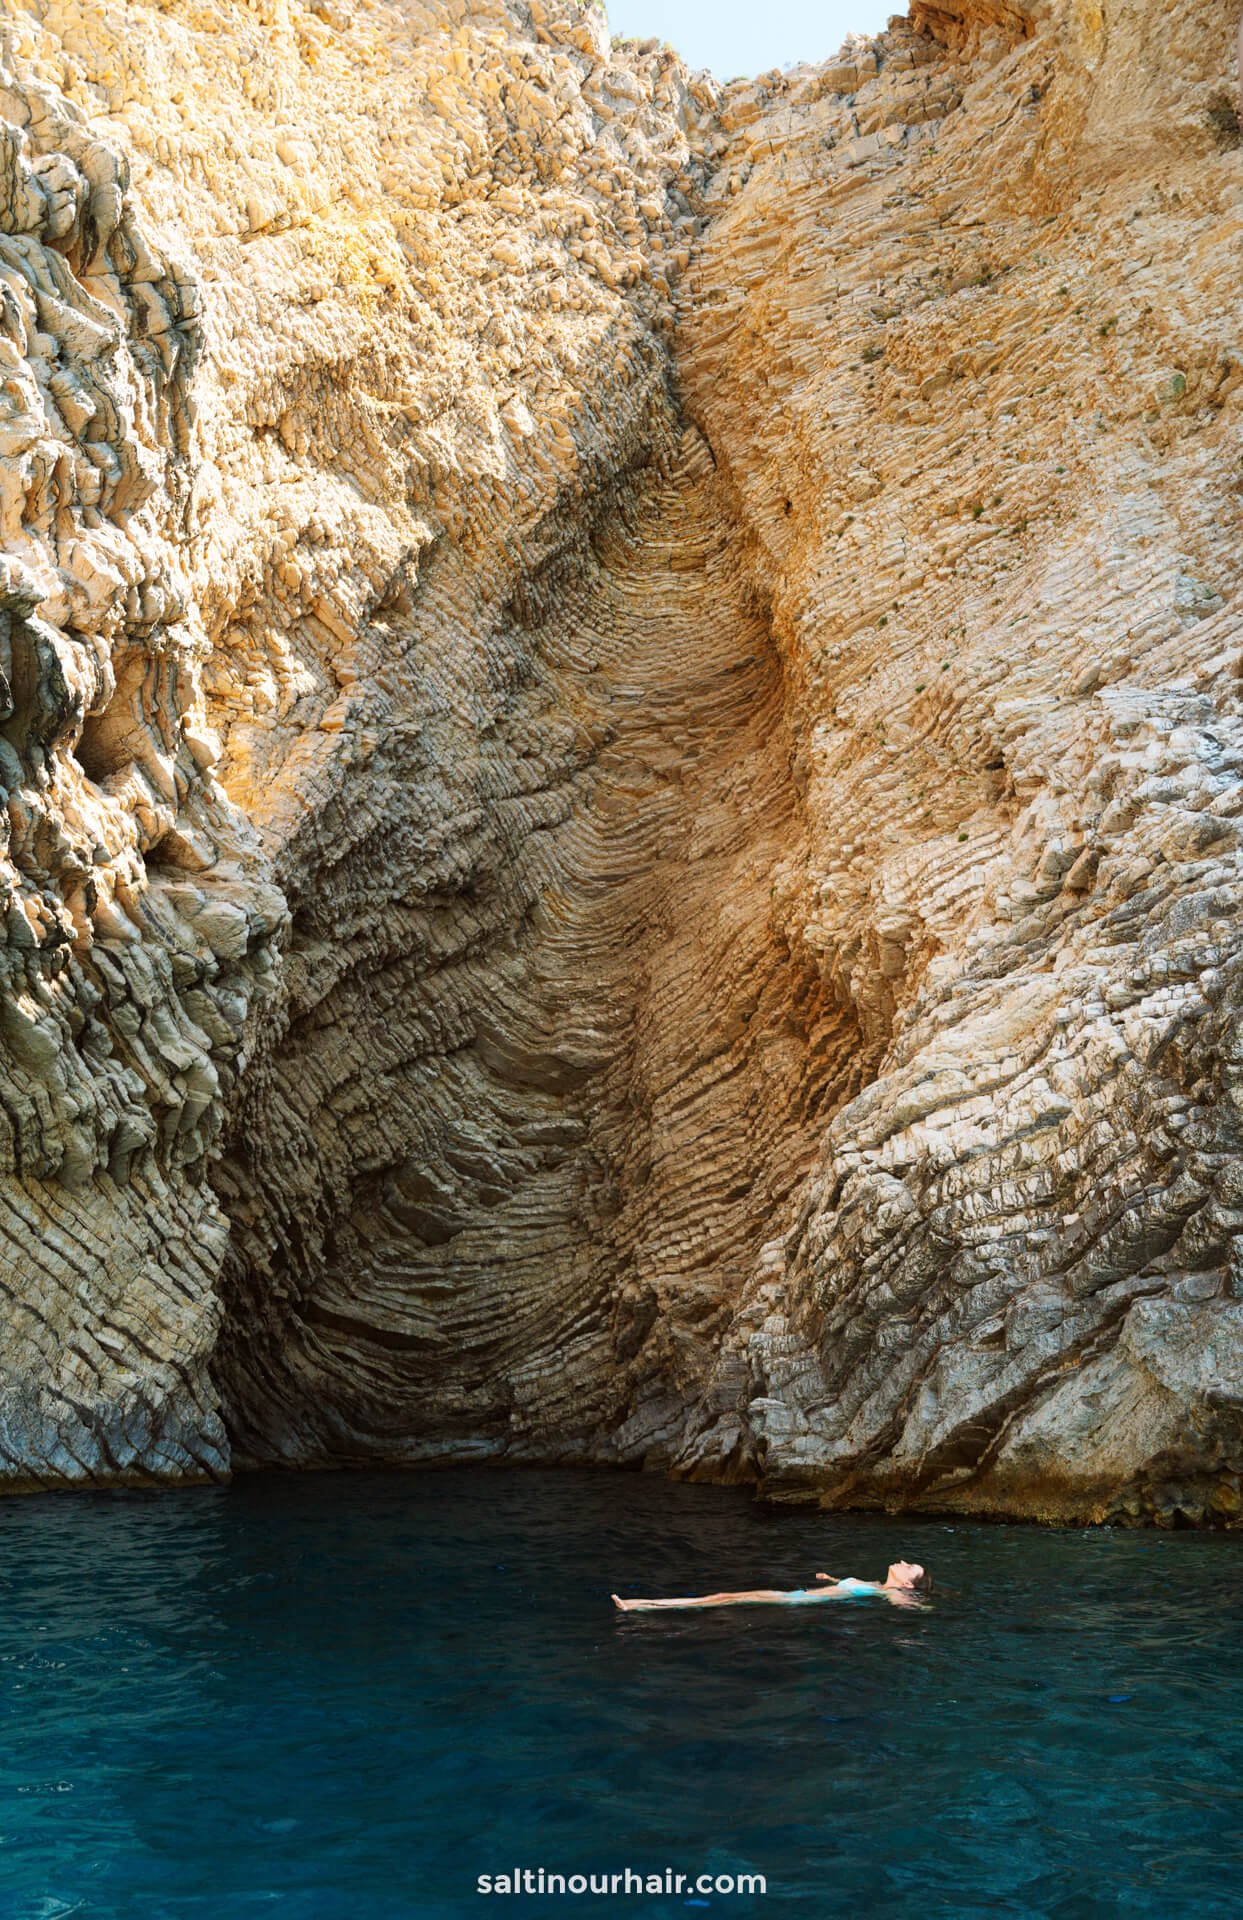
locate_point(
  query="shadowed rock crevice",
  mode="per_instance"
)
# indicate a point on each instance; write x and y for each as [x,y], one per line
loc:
[545,1095]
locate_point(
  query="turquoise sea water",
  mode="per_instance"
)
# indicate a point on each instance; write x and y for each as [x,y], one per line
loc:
[349,1695]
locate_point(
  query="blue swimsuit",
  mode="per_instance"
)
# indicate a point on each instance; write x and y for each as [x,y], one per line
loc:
[852,1587]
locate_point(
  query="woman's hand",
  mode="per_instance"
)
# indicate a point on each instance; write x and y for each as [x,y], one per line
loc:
[830,1577]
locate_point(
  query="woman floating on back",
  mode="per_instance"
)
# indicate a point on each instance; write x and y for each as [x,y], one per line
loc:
[903,1586]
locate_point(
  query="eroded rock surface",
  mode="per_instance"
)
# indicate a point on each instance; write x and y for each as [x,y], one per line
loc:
[623,751]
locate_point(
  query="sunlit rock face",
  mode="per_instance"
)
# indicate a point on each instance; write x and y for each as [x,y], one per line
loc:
[621,728]
[962,341]
[137,909]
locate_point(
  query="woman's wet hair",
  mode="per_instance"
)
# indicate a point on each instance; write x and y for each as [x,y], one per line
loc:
[915,1578]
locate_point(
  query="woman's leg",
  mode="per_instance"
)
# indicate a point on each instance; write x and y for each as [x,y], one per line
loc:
[771,1596]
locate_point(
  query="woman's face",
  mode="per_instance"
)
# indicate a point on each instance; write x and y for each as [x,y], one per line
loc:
[904,1573]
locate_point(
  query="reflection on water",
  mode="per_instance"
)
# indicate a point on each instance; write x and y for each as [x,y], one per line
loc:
[348,1695]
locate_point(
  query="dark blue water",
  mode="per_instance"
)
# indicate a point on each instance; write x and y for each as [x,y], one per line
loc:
[350,1695]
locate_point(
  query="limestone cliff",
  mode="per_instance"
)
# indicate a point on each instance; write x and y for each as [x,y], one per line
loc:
[621,719]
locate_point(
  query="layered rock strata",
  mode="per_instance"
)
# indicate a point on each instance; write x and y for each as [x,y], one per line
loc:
[623,752]
[982,416]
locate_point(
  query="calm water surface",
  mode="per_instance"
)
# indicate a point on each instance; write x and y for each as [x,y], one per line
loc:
[349,1695]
